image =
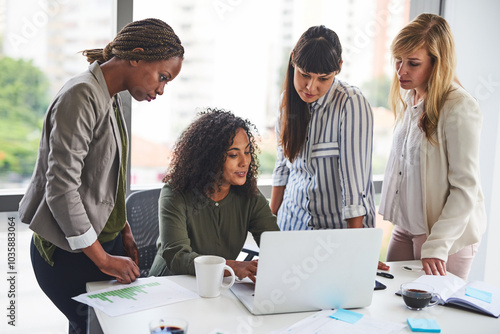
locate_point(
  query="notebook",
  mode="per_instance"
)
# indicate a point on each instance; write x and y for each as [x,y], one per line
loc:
[477,296]
[312,270]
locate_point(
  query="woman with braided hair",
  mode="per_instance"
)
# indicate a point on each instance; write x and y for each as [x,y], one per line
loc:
[75,203]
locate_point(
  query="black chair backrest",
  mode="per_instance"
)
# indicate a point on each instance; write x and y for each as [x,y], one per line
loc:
[142,215]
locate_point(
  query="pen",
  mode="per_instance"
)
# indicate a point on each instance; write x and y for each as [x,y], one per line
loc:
[412,268]
[386,275]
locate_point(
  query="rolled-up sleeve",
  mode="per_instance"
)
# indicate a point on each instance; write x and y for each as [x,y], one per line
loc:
[356,139]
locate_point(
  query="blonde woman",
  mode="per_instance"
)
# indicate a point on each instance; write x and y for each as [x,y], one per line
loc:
[432,192]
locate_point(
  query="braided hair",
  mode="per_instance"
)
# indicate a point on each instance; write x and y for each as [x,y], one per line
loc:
[153,35]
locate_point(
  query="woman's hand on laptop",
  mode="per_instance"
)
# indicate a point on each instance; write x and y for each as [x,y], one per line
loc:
[243,269]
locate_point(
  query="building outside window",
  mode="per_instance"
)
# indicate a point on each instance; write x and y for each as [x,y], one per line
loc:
[40,48]
[236,54]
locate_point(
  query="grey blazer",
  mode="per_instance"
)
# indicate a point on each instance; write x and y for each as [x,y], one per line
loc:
[74,185]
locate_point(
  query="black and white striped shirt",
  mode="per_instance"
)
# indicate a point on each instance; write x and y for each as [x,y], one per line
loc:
[331,178]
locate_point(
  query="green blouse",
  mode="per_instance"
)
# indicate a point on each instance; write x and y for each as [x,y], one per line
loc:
[191,225]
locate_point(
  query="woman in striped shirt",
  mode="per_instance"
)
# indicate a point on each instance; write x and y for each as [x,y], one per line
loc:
[323,176]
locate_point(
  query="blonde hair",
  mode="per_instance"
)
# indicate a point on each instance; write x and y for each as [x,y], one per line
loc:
[434,34]
[154,36]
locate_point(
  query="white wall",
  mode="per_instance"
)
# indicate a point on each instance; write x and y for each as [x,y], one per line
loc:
[475,26]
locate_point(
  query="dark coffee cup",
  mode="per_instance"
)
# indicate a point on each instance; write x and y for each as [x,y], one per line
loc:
[168,329]
[168,326]
[417,295]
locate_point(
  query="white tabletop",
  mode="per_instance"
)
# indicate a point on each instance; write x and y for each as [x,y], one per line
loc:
[226,312]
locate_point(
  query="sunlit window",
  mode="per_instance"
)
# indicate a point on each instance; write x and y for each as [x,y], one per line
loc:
[236,54]
[39,50]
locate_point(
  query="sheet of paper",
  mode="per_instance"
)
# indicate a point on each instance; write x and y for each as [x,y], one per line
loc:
[140,295]
[322,323]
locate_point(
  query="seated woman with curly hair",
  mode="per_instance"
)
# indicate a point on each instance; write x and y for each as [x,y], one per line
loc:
[210,200]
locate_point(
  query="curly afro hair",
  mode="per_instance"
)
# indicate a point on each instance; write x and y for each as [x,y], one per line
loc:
[200,153]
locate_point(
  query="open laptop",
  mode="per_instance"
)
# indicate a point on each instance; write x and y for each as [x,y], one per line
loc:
[312,270]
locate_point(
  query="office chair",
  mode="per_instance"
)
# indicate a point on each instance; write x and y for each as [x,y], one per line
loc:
[142,215]
[251,250]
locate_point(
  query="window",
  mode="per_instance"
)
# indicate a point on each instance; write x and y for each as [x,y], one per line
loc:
[39,44]
[236,55]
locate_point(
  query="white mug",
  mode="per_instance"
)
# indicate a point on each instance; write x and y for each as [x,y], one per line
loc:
[209,273]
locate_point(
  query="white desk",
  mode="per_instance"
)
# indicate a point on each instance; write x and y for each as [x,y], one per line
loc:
[227,313]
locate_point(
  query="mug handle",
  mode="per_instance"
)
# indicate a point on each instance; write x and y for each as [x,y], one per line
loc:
[233,278]
[435,301]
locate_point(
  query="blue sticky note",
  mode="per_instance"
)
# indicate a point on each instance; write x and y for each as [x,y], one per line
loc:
[423,325]
[347,316]
[485,296]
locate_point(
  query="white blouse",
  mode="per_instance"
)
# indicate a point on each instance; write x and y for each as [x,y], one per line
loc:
[401,201]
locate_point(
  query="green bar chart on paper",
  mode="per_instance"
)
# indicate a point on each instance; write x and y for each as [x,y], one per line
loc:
[125,293]
[142,294]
